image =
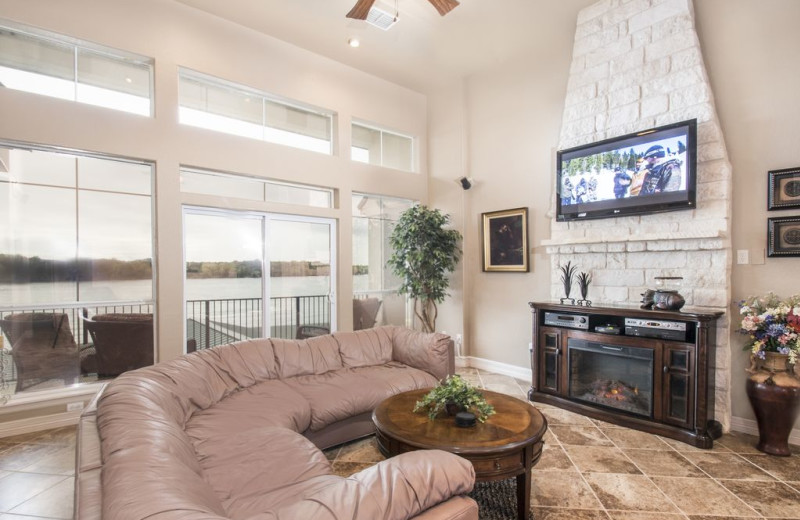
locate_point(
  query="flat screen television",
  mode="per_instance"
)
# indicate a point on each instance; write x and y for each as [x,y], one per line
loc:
[646,172]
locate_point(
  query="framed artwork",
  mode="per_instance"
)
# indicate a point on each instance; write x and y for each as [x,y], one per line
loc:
[783,236]
[505,240]
[784,189]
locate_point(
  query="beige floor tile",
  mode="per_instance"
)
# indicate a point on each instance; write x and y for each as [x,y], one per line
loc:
[549,438]
[55,502]
[663,463]
[601,459]
[625,438]
[638,515]
[702,496]
[16,488]
[739,442]
[503,388]
[553,513]
[61,462]
[580,435]
[783,468]
[683,447]
[19,456]
[629,493]
[713,517]
[562,489]
[554,458]
[332,453]
[726,465]
[557,416]
[771,499]
[364,450]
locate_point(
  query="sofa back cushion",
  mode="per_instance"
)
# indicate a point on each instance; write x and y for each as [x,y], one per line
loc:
[366,347]
[317,355]
[430,352]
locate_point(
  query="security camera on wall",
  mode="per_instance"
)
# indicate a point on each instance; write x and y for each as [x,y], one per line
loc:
[465,182]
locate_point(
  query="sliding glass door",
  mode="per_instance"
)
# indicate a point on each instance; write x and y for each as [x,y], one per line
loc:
[251,275]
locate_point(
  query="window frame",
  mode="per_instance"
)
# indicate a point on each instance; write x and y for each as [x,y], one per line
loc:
[386,130]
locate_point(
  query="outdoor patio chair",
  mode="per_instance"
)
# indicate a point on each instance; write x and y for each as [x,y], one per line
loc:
[42,347]
[365,313]
[122,342]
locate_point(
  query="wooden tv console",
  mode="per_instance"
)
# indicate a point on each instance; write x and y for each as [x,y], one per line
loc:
[671,349]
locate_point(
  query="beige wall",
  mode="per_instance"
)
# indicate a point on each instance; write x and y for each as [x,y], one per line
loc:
[176,35]
[751,52]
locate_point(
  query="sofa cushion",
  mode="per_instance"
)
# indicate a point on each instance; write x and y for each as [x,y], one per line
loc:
[315,355]
[429,352]
[270,403]
[337,395]
[258,461]
[365,347]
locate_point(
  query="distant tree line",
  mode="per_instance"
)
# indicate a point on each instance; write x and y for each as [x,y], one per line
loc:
[28,269]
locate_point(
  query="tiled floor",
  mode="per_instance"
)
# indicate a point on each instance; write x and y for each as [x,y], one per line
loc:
[590,470]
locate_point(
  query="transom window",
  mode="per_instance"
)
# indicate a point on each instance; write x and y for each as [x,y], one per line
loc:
[58,66]
[223,106]
[374,145]
[205,182]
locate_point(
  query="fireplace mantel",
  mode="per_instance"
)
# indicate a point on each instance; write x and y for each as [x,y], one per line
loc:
[680,387]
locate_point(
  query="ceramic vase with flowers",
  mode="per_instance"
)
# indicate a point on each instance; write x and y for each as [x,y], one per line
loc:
[773,326]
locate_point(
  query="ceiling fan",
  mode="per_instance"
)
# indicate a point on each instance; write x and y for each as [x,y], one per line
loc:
[362,7]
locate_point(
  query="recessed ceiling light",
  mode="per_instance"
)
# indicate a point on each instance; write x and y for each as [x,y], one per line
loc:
[128,80]
[353,42]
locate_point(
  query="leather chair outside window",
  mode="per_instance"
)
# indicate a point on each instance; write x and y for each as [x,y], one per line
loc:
[122,342]
[42,347]
[365,313]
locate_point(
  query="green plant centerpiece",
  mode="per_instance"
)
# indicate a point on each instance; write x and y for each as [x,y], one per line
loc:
[454,390]
[424,254]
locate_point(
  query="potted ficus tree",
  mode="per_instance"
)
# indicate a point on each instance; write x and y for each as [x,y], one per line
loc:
[424,254]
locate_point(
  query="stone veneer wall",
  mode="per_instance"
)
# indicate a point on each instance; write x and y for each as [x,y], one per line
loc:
[637,64]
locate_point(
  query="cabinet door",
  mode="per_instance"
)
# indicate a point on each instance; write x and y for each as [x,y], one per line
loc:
[678,384]
[550,360]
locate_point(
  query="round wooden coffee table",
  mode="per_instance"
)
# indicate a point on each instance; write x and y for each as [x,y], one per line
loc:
[507,445]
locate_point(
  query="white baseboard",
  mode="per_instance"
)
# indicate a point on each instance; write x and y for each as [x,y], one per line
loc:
[750,426]
[505,369]
[35,424]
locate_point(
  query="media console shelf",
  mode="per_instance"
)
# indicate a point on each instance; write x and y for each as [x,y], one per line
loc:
[645,369]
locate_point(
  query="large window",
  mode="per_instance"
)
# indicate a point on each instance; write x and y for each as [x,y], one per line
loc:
[223,106]
[58,66]
[252,275]
[373,145]
[374,285]
[205,182]
[76,243]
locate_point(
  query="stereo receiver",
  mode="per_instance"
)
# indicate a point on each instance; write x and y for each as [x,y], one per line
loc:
[572,321]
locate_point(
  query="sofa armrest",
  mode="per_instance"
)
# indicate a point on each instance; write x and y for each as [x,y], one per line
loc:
[399,488]
[432,352]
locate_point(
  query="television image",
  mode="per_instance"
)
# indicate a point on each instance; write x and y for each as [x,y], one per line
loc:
[635,174]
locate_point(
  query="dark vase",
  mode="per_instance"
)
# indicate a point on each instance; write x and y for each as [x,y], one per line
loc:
[776,408]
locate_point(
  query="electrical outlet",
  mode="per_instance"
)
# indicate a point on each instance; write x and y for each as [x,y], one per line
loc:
[742,256]
[75,407]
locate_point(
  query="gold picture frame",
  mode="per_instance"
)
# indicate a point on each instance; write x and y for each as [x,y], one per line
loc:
[505,241]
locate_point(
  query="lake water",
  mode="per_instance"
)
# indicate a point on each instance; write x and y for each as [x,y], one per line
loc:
[137,290]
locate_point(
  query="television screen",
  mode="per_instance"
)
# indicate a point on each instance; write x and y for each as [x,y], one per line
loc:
[645,172]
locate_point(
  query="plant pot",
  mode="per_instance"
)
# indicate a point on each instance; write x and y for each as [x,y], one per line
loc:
[775,362]
[452,409]
[776,407]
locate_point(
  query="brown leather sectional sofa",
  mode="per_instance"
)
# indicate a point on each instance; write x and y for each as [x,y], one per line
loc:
[236,431]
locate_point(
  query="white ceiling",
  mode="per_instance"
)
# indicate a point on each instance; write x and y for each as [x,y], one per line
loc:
[423,49]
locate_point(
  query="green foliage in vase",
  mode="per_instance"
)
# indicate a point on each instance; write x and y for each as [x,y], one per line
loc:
[455,390]
[424,254]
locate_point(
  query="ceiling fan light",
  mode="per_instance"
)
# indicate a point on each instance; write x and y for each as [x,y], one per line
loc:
[353,42]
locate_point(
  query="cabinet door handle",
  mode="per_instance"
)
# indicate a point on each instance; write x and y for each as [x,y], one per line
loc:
[558,351]
[666,369]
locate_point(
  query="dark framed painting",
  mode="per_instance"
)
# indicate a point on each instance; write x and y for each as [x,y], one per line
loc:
[783,236]
[784,189]
[505,240]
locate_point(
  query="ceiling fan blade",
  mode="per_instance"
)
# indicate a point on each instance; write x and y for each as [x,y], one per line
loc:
[361,9]
[444,6]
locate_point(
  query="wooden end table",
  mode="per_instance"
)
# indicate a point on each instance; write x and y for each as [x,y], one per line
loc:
[507,445]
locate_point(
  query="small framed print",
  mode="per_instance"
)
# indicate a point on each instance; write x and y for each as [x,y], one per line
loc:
[783,236]
[784,189]
[505,240]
